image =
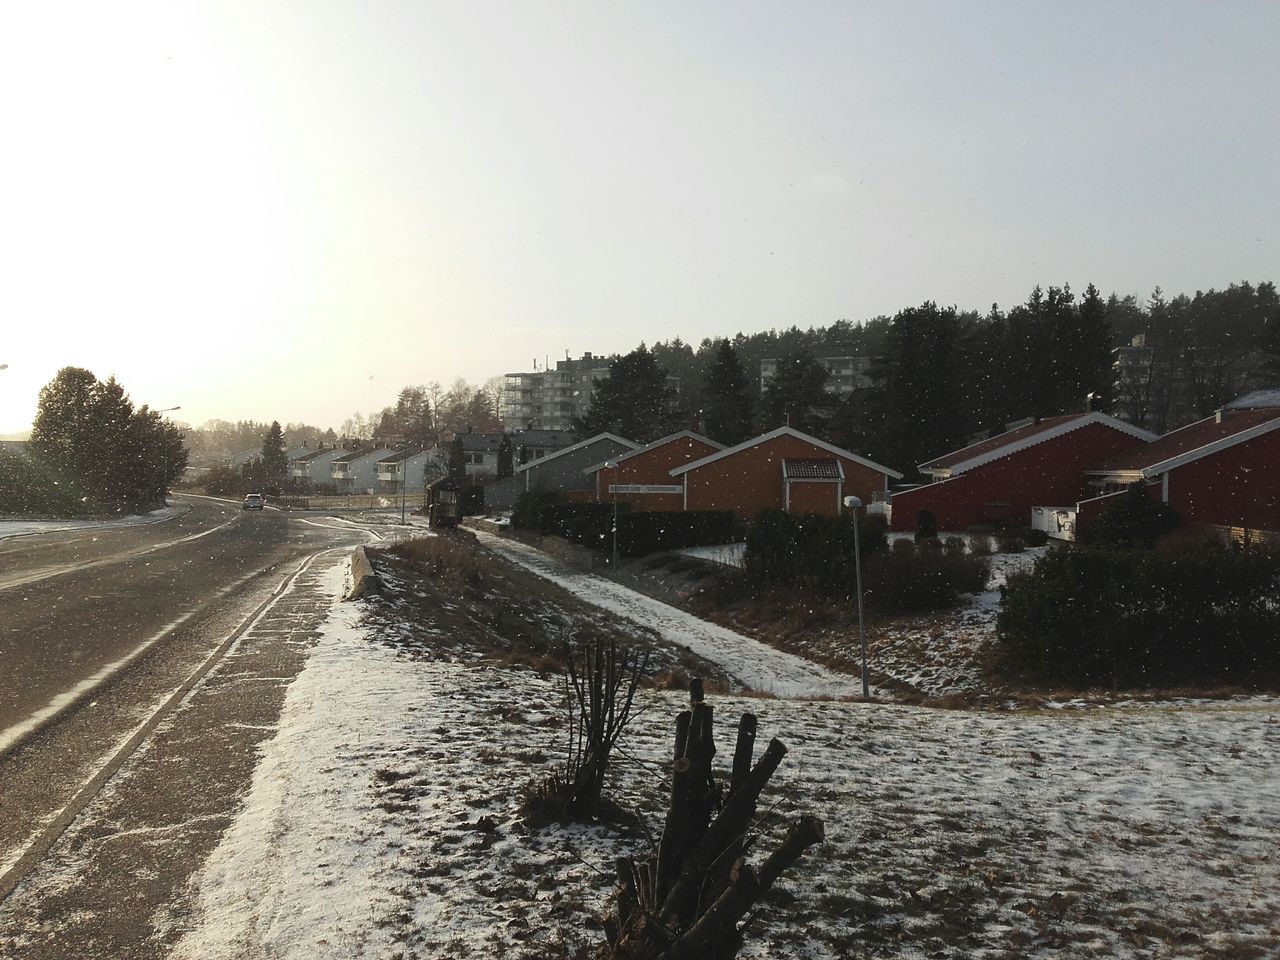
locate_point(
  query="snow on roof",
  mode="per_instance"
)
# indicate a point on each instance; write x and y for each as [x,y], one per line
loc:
[786,432]
[1199,439]
[1268,397]
[1012,441]
[812,470]
[630,445]
[486,442]
[682,435]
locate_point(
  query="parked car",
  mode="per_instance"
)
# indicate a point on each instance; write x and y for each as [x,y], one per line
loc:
[253,501]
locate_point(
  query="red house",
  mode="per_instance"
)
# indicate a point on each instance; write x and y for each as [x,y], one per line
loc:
[642,477]
[1004,477]
[783,469]
[1223,470]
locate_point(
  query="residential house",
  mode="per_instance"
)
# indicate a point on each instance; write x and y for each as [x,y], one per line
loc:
[357,471]
[563,470]
[313,468]
[784,469]
[642,477]
[1223,471]
[1001,479]
[409,471]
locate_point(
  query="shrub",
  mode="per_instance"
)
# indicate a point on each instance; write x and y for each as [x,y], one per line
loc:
[926,525]
[529,506]
[816,553]
[1132,519]
[1010,541]
[979,545]
[28,487]
[1131,617]
[954,546]
[1034,538]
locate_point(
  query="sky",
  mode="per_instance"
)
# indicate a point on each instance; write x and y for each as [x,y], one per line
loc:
[290,210]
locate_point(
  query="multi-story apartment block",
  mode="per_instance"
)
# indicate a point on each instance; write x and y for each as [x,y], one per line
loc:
[550,399]
[844,374]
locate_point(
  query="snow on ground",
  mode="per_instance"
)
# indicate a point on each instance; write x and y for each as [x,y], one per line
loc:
[26,528]
[729,554]
[382,822]
[757,666]
[940,654]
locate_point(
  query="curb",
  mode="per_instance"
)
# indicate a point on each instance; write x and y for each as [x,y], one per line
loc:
[363,578]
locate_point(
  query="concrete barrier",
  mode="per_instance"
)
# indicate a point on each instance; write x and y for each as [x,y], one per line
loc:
[364,580]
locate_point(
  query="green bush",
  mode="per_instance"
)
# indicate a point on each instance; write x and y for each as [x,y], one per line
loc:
[29,488]
[926,525]
[1135,618]
[1034,538]
[1010,541]
[1132,519]
[529,507]
[816,553]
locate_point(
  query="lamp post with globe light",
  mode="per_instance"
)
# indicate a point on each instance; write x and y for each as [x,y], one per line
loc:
[855,504]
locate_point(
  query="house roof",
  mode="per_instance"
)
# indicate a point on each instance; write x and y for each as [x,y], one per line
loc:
[1268,397]
[630,445]
[1020,438]
[785,432]
[1199,439]
[362,454]
[313,454]
[485,442]
[812,470]
[682,435]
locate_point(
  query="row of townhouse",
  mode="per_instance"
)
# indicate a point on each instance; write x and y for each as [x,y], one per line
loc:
[782,469]
[1059,473]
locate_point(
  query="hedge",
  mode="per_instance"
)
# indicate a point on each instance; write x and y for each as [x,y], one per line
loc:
[1135,618]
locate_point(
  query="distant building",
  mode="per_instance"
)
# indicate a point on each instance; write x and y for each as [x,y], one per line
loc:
[844,374]
[550,399]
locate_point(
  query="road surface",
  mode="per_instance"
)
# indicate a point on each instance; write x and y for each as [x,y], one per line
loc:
[102,635]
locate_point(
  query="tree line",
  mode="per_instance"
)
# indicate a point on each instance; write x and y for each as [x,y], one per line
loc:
[92,451]
[940,376]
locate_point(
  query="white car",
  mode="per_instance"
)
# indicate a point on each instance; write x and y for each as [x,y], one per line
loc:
[253,501]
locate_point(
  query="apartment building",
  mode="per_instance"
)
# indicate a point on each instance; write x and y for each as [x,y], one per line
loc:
[550,399]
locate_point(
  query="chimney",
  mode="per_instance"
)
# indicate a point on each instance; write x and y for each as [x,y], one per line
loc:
[1217,415]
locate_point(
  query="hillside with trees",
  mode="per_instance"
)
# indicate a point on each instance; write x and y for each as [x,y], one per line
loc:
[942,375]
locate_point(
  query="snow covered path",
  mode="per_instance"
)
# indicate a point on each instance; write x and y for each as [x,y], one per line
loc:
[757,666]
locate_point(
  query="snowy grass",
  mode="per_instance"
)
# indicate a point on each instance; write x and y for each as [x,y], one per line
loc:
[382,822]
[26,528]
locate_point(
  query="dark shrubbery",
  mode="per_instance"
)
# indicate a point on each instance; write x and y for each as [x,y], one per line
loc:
[926,525]
[1132,520]
[816,553]
[1034,538]
[1134,618]
[639,532]
[28,488]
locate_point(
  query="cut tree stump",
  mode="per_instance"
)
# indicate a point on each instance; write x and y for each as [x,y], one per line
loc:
[687,899]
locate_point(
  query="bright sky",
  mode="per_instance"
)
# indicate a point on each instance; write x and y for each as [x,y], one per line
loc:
[289,210]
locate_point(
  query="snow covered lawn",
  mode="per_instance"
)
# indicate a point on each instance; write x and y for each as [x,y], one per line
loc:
[26,528]
[755,665]
[382,822]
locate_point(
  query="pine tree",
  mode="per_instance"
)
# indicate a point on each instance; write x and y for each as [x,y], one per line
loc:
[797,395]
[457,462]
[506,467]
[634,401]
[275,464]
[726,406]
[1097,356]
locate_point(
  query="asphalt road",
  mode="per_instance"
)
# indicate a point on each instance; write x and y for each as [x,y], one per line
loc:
[99,627]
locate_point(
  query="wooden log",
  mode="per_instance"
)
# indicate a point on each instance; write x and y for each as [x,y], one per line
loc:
[683,719]
[721,916]
[732,821]
[675,832]
[803,834]
[743,750]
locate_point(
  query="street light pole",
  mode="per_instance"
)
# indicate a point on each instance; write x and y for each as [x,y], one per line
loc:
[613,465]
[855,504]
[404,480]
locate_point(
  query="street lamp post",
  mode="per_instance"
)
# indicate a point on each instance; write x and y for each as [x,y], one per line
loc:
[855,504]
[404,480]
[613,465]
